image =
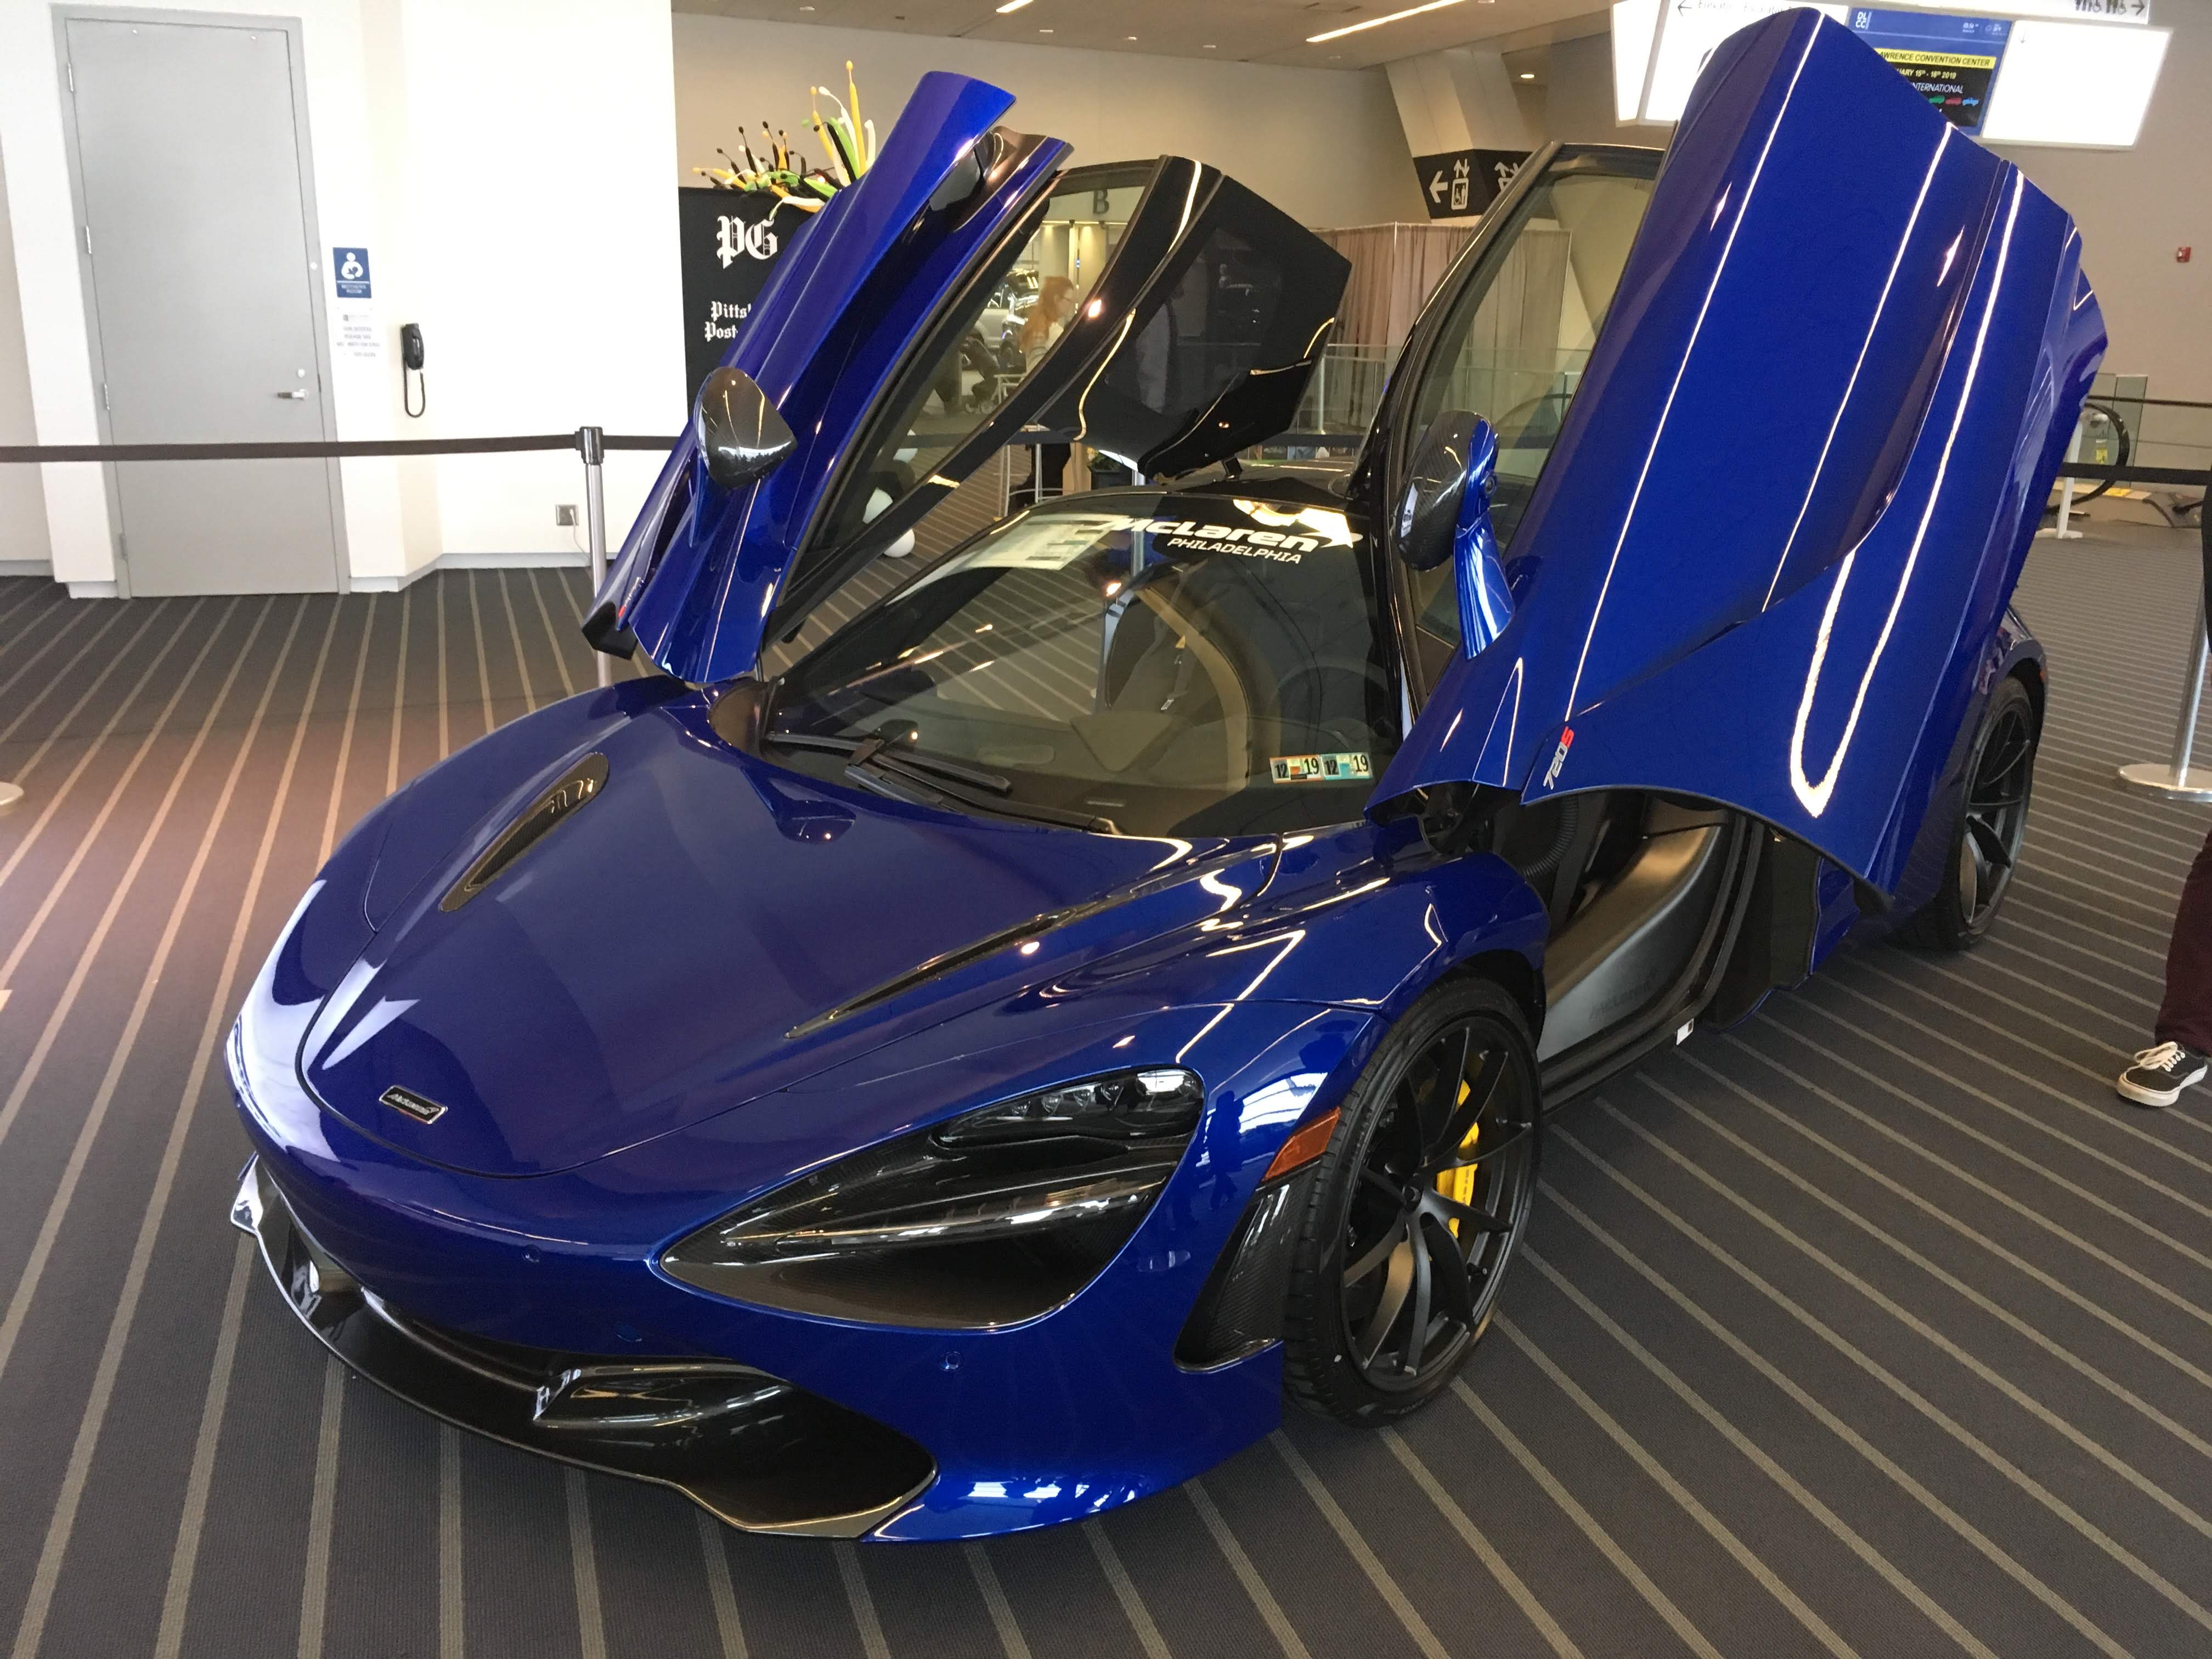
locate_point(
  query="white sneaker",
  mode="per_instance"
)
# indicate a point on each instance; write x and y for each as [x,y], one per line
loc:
[2159,1074]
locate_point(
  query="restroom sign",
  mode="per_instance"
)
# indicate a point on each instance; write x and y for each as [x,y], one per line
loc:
[349,270]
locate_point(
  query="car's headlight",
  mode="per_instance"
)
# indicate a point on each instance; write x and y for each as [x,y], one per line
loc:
[992,1217]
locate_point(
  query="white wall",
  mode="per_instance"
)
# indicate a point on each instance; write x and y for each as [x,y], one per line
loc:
[1578,96]
[1462,99]
[22,503]
[538,248]
[2134,206]
[504,164]
[1324,145]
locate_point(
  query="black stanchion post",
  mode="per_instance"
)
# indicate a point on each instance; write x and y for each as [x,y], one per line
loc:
[590,444]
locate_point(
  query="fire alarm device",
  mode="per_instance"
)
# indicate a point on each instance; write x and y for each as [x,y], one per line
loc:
[2181,256]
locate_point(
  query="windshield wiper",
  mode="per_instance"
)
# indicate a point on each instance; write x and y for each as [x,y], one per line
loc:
[882,762]
[864,751]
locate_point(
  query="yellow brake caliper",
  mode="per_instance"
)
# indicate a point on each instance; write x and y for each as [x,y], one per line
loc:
[1458,1185]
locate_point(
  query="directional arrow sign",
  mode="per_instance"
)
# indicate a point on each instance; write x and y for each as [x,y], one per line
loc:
[1461,184]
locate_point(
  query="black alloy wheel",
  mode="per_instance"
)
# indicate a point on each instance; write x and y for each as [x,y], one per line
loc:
[1992,819]
[1416,1207]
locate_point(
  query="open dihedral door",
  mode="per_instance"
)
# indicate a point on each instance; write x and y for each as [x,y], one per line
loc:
[892,343]
[1797,480]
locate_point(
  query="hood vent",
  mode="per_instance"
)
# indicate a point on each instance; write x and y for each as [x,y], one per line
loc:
[580,784]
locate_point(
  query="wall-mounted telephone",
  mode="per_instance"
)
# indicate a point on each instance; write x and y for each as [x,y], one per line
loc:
[411,361]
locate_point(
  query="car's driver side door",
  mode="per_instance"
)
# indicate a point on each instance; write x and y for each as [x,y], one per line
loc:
[1178,325]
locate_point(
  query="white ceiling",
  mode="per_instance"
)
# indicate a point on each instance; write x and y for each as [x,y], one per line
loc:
[1253,31]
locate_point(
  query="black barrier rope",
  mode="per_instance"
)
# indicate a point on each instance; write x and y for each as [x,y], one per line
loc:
[315,452]
[366,448]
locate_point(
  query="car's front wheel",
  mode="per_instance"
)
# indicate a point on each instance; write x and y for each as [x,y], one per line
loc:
[1416,1207]
[1991,820]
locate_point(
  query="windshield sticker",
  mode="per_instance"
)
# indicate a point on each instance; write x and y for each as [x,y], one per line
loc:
[1053,542]
[1045,542]
[1321,768]
[1192,537]
[1326,522]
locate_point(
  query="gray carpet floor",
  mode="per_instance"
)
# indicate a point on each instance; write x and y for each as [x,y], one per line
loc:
[1877,1326]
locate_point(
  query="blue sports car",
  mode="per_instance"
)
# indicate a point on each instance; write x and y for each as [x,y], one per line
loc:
[965,1079]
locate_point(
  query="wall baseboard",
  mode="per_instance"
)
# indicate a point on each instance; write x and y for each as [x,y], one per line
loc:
[556,561]
[92,590]
[26,568]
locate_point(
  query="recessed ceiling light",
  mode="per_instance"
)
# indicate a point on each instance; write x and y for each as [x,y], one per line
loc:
[1014,5]
[1377,22]
[1128,37]
[1528,75]
[1044,31]
[1209,46]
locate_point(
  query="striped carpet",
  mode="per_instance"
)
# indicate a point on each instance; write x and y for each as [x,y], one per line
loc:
[1875,1327]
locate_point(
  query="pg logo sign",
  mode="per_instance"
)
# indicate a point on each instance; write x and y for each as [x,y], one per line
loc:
[736,239]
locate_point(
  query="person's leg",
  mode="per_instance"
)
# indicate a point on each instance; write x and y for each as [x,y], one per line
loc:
[2184,1018]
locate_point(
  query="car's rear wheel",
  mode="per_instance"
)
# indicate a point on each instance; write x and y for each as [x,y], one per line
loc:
[1416,1207]
[1991,820]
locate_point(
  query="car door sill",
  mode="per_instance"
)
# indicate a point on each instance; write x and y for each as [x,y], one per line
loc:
[1612,1048]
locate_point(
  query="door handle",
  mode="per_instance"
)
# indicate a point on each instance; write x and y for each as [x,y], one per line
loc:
[299,395]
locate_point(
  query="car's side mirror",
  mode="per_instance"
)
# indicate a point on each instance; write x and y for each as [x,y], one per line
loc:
[1436,485]
[1485,602]
[1445,515]
[740,435]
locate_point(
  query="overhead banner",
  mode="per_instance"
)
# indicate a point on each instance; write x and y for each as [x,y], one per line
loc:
[730,240]
[1459,184]
[1949,60]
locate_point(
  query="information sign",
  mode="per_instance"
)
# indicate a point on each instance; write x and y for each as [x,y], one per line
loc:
[1950,61]
[1459,184]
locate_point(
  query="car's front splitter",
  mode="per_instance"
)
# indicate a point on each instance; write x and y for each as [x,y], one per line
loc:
[752,1449]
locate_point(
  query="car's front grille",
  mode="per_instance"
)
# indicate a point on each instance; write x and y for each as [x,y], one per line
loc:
[758,1452]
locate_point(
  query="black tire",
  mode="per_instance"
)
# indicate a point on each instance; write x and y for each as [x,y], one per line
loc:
[1377,1226]
[1986,835]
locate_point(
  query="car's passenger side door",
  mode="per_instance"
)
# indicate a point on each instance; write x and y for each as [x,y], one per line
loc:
[1760,524]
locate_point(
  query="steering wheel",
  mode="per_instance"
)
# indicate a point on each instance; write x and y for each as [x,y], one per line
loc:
[1369,673]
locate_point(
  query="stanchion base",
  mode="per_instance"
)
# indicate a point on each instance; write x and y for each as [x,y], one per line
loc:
[2157,778]
[11,797]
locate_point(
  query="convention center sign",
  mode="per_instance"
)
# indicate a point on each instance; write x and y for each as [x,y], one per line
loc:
[1459,184]
[1950,61]
[731,241]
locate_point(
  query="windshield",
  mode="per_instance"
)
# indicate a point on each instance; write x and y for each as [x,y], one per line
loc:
[1193,664]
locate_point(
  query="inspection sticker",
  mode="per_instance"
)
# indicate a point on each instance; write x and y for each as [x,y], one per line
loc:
[1320,769]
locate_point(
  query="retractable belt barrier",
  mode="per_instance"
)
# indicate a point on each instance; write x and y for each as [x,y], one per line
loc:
[590,443]
[2174,780]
